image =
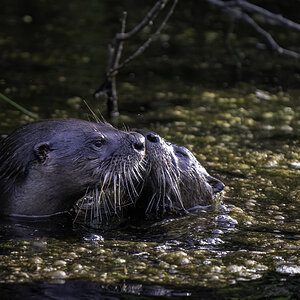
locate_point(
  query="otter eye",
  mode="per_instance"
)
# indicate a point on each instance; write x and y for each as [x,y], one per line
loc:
[181,153]
[98,143]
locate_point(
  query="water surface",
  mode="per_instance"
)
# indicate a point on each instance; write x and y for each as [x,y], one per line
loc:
[246,135]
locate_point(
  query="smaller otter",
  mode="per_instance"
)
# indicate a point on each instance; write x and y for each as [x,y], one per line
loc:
[176,180]
[46,166]
[196,186]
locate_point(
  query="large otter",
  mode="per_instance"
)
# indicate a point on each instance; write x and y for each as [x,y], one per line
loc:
[176,180]
[46,166]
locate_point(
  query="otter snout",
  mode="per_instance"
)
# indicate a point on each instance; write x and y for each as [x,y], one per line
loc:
[138,142]
[216,184]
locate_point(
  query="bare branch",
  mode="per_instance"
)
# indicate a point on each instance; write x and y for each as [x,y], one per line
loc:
[273,44]
[227,7]
[142,48]
[119,43]
[151,15]
[269,16]
[108,87]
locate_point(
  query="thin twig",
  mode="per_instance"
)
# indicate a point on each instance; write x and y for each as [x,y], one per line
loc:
[234,52]
[226,6]
[151,15]
[269,16]
[273,44]
[118,46]
[19,107]
[142,48]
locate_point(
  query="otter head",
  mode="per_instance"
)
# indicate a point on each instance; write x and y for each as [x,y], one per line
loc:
[197,187]
[176,180]
[46,166]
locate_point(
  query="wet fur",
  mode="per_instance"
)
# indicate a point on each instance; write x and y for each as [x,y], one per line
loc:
[46,166]
[176,181]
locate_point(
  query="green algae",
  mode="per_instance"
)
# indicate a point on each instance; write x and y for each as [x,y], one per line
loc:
[246,136]
[228,134]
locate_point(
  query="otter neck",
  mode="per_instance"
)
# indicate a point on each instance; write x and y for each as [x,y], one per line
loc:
[47,201]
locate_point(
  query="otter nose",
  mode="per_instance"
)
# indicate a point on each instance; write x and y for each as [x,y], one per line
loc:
[152,137]
[216,184]
[219,187]
[138,142]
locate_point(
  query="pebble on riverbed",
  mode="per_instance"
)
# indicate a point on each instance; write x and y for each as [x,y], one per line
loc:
[179,258]
[57,274]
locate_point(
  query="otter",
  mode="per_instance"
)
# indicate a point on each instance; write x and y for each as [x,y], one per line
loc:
[176,181]
[46,166]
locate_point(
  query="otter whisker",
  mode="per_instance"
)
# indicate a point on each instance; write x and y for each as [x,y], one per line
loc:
[81,205]
[115,193]
[150,204]
[119,189]
[95,195]
[100,195]
[86,211]
[106,206]
[91,212]
[137,173]
[126,179]
[164,192]
[100,200]
[141,187]
[128,188]
[96,208]
[132,185]
[97,120]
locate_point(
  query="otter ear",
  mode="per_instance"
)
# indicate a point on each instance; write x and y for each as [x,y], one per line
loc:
[41,151]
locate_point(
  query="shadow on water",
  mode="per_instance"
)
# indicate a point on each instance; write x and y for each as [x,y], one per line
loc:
[18,228]
[267,288]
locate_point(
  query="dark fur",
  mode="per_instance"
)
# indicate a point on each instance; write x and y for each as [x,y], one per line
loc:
[46,166]
[176,180]
[196,186]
